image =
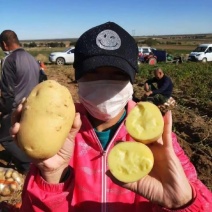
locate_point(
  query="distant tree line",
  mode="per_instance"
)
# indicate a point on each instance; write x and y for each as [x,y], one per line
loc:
[47,44]
[154,42]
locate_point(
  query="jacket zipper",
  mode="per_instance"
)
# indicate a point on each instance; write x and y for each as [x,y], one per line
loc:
[104,182]
[104,169]
[104,166]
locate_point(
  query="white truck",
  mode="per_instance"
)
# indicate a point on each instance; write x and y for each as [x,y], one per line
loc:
[202,53]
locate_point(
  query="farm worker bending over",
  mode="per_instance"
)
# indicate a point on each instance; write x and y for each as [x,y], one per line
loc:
[160,94]
[77,179]
[20,73]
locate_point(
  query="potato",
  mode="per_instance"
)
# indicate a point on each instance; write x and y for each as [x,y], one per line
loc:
[130,161]
[6,191]
[46,120]
[8,173]
[145,122]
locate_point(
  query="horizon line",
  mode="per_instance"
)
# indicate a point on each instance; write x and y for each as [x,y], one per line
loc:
[132,36]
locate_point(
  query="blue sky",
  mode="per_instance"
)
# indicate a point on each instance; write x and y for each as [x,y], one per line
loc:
[49,19]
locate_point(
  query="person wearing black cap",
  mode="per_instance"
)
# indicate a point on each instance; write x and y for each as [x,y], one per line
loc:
[77,177]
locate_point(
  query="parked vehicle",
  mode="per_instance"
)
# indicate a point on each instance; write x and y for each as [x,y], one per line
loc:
[163,56]
[202,53]
[151,59]
[159,56]
[61,58]
[144,50]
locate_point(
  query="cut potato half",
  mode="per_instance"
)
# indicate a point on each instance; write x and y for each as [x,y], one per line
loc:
[130,161]
[145,122]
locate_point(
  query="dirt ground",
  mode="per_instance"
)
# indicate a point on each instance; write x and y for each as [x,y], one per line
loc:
[193,125]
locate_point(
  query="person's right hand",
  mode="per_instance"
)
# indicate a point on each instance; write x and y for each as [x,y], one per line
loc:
[52,169]
[148,93]
[167,184]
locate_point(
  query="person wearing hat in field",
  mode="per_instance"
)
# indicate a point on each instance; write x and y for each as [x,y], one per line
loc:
[77,179]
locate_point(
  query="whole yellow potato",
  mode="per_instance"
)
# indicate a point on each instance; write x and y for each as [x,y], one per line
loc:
[130,161]
[145,122]
[46,120]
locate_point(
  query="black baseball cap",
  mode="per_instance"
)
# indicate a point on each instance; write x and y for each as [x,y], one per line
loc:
[106,45]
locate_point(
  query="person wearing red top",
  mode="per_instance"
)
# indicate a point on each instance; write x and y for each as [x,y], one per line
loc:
[77,177]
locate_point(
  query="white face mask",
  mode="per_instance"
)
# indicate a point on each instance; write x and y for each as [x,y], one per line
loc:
[104,99]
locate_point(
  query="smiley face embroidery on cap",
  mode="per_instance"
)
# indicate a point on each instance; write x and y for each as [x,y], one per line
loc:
[108,40]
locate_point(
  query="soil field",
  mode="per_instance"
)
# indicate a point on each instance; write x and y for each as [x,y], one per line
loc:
[189,123]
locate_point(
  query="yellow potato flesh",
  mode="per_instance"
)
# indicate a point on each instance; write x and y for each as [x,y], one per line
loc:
[130,161]
[46,120]
[145,122]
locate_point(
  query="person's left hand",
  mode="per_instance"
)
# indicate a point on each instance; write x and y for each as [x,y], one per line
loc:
[166,184]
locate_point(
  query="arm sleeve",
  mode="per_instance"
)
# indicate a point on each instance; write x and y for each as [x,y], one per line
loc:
[2,105]
[152,80]
[202,196]
[163,87]
[7,88]
[38,195]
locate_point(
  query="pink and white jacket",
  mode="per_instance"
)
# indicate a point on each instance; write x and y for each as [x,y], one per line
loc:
[89,189]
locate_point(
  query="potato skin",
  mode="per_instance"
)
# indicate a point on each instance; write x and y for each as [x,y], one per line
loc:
[46,120]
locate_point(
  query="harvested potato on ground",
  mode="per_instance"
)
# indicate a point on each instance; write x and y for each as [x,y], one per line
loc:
[10,181]
[46,120]
[130,161]
[145,122]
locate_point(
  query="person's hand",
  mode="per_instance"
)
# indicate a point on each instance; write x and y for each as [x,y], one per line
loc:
[52,169]
[148,93]
[167,184]
[146,87]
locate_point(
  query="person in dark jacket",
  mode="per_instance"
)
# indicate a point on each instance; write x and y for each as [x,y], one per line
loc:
[20,73]
[160,93]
